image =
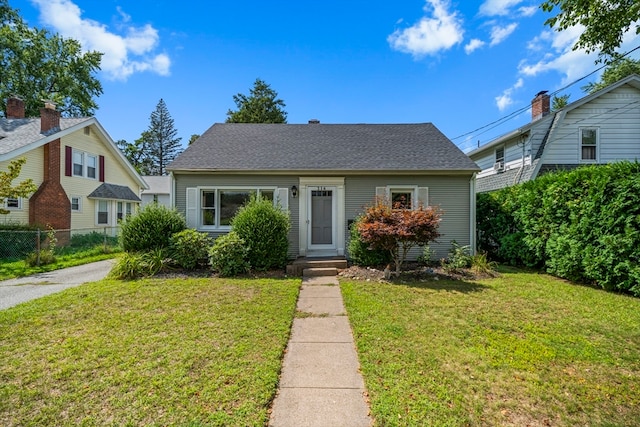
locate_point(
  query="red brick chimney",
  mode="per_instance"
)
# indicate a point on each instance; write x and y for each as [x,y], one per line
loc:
[49,118]
[15,108]
[540,105]
[50,205]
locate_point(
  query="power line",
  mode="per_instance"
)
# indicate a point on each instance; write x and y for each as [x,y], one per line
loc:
[523,109]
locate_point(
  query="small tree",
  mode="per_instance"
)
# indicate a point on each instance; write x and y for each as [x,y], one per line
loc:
[160,141]
[262,105]
[398,230]
[23,189]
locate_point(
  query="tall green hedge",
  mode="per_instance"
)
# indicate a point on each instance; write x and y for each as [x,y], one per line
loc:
[582,225]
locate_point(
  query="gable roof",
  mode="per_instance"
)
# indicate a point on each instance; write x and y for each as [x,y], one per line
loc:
[19,136]
[554,119]
[322,148]
[113,192]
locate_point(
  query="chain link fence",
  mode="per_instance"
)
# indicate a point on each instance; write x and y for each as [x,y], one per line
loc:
[20,242]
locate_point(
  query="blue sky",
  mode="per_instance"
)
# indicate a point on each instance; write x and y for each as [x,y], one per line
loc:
[458,64]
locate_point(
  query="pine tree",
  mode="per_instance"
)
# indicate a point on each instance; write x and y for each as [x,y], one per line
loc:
[160,139]
[262,105]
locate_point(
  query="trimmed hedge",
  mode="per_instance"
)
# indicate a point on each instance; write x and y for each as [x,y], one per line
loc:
[582,225]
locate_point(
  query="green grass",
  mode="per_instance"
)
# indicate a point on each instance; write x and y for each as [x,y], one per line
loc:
[521,349]
[66,257]
[148,352]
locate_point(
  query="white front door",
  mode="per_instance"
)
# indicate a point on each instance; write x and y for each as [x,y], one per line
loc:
[322,222]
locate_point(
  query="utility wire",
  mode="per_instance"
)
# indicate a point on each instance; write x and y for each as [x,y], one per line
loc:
[523,109]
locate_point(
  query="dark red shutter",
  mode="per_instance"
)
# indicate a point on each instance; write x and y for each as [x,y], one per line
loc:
[101,167]
[68,160]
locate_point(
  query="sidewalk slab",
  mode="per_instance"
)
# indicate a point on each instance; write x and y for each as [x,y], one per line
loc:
[321,365]
[321,329]
[315,291]
[317,407]
[321,306]
[320,280]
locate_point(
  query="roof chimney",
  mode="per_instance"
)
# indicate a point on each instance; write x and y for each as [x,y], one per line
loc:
[314,121]
[540,105]
[49,117]
[15,108]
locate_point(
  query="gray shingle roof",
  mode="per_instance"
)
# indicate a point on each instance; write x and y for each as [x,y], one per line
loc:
[18,133]
[113,192]
[323,147]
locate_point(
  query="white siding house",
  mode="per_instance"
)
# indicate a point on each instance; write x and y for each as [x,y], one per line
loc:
[600,128]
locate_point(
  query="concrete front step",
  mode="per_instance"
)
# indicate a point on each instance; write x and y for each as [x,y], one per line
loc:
[299,265]
[319,271]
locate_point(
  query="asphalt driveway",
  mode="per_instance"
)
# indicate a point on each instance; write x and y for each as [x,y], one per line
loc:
[17,291]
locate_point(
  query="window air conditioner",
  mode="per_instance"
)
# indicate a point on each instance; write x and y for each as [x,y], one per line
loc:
[498,166]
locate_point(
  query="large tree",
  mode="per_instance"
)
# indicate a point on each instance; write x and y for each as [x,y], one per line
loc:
[36,64]
[604,21]
[160,139]
[615,71]
[260,106]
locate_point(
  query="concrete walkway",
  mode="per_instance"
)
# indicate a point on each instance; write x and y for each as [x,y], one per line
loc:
[23,289]
[321,384]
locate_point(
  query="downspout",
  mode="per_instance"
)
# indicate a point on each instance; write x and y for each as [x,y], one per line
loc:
[472,213]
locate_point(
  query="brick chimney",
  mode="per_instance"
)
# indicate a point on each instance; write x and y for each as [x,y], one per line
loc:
[50,205]
[15,108]
[49,118]
[540,105]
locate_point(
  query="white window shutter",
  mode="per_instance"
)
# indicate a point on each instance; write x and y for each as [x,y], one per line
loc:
[192,207]
[283,198]
[381,193]
[423,196]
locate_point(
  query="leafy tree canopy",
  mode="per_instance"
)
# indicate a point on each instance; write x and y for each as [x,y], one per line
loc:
[260,106]
[604,22]
[617,70]
[7,189]
[36,64]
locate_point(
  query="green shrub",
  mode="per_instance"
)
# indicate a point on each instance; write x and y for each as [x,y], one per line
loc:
[133,265]
[361,254]
[47,254]
[190,248]
[581,225]
[427,256]
[92,239]
[264,229]
[459,256]
[228,255]
[480,264]
[150,228]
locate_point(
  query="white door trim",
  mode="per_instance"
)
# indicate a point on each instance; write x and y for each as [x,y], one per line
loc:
[306,184]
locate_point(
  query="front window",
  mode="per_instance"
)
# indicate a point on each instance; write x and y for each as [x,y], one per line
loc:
[588,144]
[75,204]
[92,166]
[129,208]
[500,155]
[103,212]
[230,202]
[208,208]
[401,199]
[13,203]
[78,163]
[120,212]
[219,206]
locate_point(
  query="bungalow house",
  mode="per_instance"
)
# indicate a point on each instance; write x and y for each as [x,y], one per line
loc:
[325,174]
[159,190]
[600,128]
[83,180]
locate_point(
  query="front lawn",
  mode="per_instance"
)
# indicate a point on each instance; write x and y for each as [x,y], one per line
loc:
[521,349]
[147,352]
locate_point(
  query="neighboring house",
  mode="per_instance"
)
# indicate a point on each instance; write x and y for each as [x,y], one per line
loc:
[602,127]
[83,180]
[159,190]
[325,175]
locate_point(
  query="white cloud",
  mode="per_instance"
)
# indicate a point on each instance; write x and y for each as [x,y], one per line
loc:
[438,31]
[499,34]
[123,54]
[505,100]
[527,10]
[473,45]
[497,7]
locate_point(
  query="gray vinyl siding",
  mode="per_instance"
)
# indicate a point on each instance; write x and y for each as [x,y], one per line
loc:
[617,117]
[451,193]
[184,181]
